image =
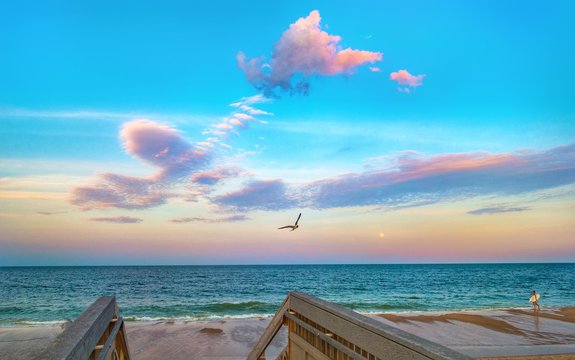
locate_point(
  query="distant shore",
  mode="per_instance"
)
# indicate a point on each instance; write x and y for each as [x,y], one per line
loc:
[491,334]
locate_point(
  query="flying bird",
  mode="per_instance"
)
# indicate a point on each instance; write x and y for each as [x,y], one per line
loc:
[292,227]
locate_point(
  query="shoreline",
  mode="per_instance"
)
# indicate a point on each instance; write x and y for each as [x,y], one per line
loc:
[486,334]
[180,320]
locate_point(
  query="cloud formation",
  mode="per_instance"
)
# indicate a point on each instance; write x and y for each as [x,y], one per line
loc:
[404,78]
[164,147]
[178,162]
[232,218]
[302,51]
[244,113]
[48,213]
[152,143]
[120,191]
[497,210]
[214,176]
[415,180]
[258,195]
[118,220]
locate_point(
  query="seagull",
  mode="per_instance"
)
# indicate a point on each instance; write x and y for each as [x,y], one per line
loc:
[292,227]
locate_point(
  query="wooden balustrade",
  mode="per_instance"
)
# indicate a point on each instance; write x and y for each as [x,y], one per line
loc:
[97,334]
[319,330]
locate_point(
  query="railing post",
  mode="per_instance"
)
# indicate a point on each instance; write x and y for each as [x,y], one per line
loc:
[91,335]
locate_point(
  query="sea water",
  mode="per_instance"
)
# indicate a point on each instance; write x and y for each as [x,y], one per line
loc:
[50,295]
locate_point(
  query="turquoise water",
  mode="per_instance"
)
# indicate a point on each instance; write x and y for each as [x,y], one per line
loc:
[45,295]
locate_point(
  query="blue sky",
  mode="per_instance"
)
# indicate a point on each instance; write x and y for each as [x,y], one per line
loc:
[494,92]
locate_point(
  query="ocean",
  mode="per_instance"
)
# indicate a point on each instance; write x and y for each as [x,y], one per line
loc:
[31,296]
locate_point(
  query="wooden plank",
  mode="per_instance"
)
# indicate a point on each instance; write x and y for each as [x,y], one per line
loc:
[80,338]
[365,339]
[379,339]
[125,349]
[271,331]
[305,349]
[111,339]
[339,346]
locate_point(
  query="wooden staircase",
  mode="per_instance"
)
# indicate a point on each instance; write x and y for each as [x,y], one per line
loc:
[320,330]
[317,330]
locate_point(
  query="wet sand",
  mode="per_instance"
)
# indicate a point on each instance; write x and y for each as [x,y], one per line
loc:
[495,335]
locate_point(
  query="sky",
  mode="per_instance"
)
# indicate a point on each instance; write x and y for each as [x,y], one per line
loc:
[178,132]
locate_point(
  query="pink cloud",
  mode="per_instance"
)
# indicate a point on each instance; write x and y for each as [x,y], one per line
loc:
[303,49]
[415,180]
[374,69]
[243,116]
[403,77]
[262,195]
[155,144]
[213,176]
[119,191]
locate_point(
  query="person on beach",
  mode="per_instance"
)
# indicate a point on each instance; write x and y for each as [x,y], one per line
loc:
[534,300]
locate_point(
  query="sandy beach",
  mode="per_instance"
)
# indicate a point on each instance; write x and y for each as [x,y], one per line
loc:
[495,335]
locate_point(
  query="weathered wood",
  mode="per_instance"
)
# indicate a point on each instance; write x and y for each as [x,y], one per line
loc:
[111,338]
[324,337]
[271,331]
[305,348]
[80,340]
[375,337]
[322,330]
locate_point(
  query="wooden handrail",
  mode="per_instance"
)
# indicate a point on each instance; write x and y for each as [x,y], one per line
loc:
[324,330]
[94,331]
[367,334]
[270,332]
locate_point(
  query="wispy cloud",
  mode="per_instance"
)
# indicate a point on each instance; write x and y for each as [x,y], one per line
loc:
[232,218]
[403,77]
[118,220]
[214,176]
[303,50]
[48,213]
[258,195]
[100,115]
[244,113]
[412,179]
[497,210]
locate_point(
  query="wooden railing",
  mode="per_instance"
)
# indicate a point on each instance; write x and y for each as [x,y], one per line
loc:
[97,334]
[321,330]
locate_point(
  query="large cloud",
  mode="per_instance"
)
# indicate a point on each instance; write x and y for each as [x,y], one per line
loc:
[415,180]
[164,147]
[153,143]
[304,49]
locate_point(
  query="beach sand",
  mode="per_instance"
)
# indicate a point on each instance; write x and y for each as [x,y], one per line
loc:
[495,335]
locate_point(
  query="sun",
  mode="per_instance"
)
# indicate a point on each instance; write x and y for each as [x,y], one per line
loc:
[381,235]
